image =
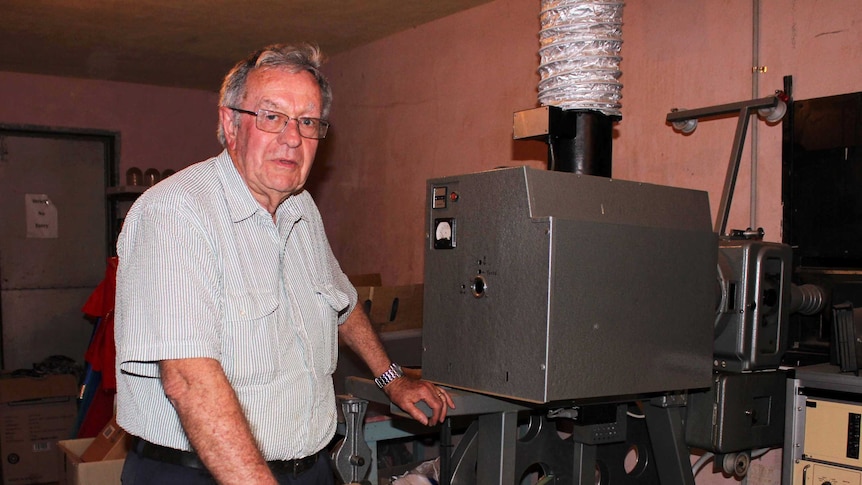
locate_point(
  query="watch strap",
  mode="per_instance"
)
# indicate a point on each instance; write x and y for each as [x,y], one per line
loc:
[393,372]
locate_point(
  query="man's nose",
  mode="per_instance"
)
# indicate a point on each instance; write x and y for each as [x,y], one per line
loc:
[290,134]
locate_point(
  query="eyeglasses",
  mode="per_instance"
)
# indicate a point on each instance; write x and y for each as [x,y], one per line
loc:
[275,122]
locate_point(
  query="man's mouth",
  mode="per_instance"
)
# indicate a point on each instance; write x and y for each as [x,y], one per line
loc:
[287,162]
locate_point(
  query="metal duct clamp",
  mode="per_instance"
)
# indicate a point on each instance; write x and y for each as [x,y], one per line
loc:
[352,456]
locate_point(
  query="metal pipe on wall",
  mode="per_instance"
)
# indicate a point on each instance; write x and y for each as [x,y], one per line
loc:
[756,70]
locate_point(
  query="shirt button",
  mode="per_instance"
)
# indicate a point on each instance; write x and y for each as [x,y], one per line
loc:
[242,313]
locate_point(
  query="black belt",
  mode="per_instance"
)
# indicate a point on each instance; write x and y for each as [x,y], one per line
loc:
[190,459]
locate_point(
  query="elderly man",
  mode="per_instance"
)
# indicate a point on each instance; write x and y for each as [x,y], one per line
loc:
[230,301]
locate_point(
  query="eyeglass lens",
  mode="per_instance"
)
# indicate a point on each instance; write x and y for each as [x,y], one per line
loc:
[273,122]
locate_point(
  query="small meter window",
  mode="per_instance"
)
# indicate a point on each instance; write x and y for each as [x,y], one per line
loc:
[444,233]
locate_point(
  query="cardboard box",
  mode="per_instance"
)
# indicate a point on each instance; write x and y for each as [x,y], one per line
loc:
[35,413]
[394,308]
[396,314]
[370,279]
[79,472]
[111,443]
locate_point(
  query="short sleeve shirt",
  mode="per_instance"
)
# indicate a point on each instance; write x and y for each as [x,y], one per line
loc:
[204,271]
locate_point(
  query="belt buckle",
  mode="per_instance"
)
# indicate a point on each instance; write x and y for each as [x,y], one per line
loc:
[295,467]
[300,466]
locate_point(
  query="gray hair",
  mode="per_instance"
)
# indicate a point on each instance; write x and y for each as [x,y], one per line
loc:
[294,58]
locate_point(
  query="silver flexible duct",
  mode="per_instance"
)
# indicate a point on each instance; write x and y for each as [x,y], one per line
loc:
[580,44]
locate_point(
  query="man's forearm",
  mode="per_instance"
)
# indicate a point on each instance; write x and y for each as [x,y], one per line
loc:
[360,336]
[213,420]
[405,392]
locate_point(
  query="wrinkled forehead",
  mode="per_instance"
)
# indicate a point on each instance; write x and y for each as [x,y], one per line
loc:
[280,88]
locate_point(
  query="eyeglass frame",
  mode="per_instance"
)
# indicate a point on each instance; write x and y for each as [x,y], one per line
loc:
[322,125]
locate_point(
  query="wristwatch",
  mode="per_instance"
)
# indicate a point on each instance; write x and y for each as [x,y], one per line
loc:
[393,372]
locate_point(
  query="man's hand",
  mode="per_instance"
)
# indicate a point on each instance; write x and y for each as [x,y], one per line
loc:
[404,391]
[408,390]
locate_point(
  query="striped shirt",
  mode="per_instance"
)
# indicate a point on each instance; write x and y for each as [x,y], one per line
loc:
[205,272]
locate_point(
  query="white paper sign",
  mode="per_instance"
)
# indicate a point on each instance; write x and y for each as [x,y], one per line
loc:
[41,216]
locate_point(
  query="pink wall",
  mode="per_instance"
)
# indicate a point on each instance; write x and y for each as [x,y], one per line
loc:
[698,54]
[438,100]
[159,127]
[433,101]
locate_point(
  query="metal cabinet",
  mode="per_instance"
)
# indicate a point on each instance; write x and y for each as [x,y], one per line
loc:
[822,432]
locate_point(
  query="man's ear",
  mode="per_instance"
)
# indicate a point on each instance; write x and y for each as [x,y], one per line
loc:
[226,118]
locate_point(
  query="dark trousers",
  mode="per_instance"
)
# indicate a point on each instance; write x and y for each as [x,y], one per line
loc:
[144,471]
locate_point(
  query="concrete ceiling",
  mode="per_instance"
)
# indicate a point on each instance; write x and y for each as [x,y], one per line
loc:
[189,43]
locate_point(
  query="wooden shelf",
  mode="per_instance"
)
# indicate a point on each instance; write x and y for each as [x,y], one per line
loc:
[125,191]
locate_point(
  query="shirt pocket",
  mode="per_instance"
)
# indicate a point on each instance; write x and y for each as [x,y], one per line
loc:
[333,302]
[250,342]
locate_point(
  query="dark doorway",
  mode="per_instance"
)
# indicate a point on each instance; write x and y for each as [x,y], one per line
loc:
[54,239]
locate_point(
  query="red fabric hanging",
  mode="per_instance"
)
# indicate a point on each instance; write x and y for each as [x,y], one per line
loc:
[102,353]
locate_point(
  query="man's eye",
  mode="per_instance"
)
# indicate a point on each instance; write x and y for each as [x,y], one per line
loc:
[308,121]
[266,115]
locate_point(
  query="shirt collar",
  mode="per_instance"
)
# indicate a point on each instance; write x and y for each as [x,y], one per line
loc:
[242,204]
